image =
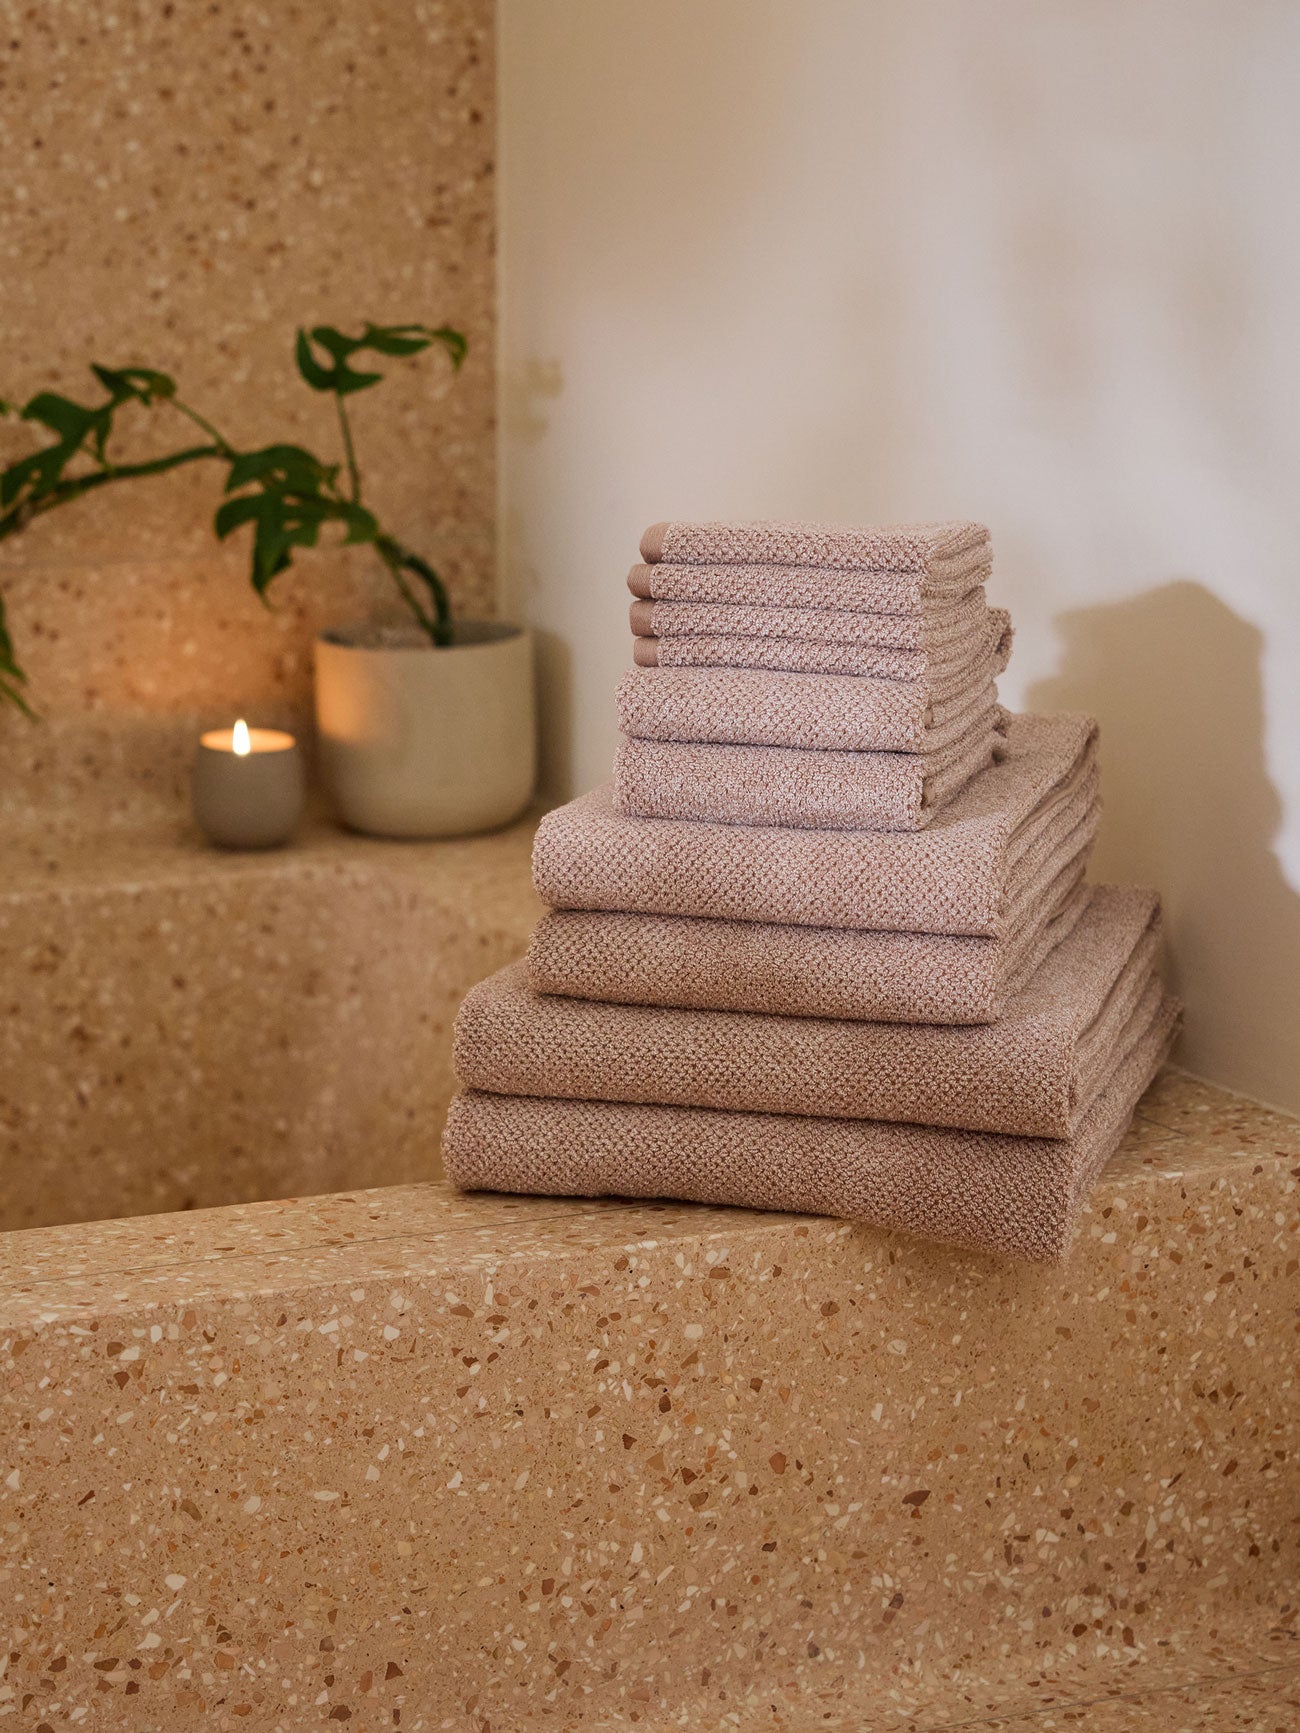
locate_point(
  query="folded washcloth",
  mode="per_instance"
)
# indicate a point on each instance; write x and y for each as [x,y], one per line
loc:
[938,659]
[886,570]
[943,623]
[821,712]
[1013,1196]
[1033,1074]
[788,786]
[817,971]
[956,876]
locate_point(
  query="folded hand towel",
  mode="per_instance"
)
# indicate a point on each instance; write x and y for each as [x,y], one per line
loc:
[821,712]
[815,971]
[1033,1074]
[940,663]
[953,877]
[1013,1196]
[782,785]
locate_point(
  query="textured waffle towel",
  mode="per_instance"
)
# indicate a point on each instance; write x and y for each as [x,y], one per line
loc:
[886,571]
[940,660]
[1013,1196]
[819,712]
[954,877]
[786,786]
[1033,1074]
[947,626]
[816,971]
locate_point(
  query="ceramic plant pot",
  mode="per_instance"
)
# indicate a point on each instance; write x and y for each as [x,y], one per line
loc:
[417,741]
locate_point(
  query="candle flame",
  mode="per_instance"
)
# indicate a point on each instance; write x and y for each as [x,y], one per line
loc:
[240,743]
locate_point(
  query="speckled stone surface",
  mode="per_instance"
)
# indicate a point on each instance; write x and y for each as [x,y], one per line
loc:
[403,1458]
[183,1027]
[186,184]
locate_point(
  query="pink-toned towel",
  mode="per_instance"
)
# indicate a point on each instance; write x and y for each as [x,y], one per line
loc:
[943,627]
[876,570]
[941,662]
[954,877]
[818,712]
[786,786]
[1016,1197]
[1032,1074]
[759,966]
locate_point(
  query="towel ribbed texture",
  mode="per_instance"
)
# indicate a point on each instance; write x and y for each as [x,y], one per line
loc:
[1032,1074]
[950,628]
[950,878]
[1013,1196]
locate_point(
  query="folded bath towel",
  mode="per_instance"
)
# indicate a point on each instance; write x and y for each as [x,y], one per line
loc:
[953,877]
[759,966]
[1014,1196]
[876,570]
[821,712]
[939,661]
[1033,1074]
[787,786]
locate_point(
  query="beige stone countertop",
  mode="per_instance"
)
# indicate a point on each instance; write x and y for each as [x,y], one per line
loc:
[1185,1132]
[495,865]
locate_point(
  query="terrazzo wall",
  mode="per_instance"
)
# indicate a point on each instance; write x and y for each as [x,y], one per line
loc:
[186,184]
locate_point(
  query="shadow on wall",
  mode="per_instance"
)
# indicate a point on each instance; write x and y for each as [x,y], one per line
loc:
[1174,678]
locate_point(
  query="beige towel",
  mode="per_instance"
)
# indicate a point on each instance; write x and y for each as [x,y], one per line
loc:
[1033,1074]
[939,662]
[819,712]
[943,627]
[815,971]
[876,570]
[953,877]
[782,785]
[1013,1196]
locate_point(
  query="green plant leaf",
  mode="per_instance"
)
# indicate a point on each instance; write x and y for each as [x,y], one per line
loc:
[454,342]
[362,525]
[289,466]
[399,340]
[340,377]
[12,678]
[144,384]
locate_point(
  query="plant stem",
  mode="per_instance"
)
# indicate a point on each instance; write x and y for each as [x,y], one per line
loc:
[345,427]
[227,449]
[21,514]
[426,621]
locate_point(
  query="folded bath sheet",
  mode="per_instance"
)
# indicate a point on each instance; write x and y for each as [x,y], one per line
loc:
[941,662]
[815,971]
[886,571]
[1033,1074]
[819,712]
[943,628]
[1013,1196]
[788,786]
[957,876]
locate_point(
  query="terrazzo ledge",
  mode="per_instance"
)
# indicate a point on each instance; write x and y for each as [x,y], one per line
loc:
[410,1459]
[184,1027]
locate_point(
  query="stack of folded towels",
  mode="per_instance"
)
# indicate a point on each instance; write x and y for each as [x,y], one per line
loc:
[825,944]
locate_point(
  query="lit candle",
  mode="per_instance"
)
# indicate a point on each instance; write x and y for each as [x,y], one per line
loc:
[247,786]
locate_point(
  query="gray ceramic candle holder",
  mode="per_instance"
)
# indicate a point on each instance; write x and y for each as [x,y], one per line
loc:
[251,798]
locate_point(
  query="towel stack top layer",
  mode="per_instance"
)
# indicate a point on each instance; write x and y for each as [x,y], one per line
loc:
[800,674]
[825,942]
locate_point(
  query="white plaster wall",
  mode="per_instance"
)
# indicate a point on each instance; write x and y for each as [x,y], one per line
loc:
[887,259]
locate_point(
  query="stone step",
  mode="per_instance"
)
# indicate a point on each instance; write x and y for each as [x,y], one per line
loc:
[403,1458]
